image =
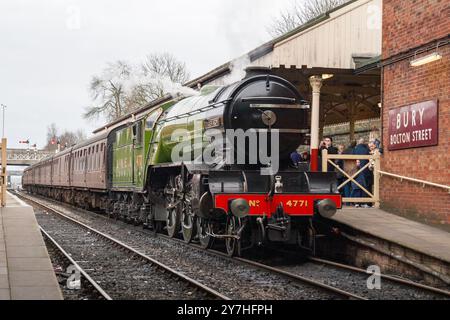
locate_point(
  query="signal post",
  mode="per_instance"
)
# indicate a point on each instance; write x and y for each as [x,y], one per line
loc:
[3,177]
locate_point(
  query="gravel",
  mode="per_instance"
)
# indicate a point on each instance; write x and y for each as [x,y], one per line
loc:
[121,275]
[235,280]
[60,265]
[356,282]
[240,281]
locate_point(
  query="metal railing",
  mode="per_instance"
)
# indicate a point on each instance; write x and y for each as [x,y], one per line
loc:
[422,182]
[373,164]
[27,154]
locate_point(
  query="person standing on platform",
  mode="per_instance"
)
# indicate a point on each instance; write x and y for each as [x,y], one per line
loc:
[296,158]
[357,191]
[349,168]
[363,150]
[374,150]
[328,145]
[305,157]
[340,164]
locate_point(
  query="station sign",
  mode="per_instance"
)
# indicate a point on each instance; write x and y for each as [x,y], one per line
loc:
[414,126]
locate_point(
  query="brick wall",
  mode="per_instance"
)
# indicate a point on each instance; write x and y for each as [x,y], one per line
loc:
[408,24]
[411,23]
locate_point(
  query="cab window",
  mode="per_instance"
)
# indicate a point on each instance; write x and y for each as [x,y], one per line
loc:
[137,132]
[152,118]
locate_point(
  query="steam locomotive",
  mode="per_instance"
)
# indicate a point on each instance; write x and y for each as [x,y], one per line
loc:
[152,170]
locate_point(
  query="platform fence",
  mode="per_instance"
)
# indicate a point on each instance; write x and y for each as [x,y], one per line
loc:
[351,174]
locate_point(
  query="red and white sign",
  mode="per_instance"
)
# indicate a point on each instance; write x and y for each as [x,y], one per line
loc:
[414,126]
[293,204]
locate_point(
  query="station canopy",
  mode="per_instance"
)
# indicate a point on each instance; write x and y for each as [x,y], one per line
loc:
[348,95]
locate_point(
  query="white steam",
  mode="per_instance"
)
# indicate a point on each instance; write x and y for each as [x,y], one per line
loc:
[237,67]
[132,78]
[164,84]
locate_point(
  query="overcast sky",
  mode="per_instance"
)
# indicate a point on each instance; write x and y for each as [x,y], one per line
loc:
[49,49]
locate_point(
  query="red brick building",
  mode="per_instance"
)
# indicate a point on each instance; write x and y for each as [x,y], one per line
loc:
[413,30]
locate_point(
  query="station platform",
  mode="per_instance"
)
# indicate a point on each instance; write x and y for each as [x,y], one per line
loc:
[413,235]
[26,271]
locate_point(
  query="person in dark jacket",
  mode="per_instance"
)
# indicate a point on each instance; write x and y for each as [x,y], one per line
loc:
[296,158]
[328,145]
[357,192]
[362,149]
[350,148]
[363,177]
[340,176]
[349,166]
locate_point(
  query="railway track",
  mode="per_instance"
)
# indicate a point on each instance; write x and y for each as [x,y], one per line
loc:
[95,291]
[406,282]
[114,269]
[358,276]
[284,273]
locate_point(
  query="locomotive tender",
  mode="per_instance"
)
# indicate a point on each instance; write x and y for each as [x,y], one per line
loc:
[130,173]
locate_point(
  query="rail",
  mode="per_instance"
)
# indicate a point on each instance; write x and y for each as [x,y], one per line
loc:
[422,182]
[373,163]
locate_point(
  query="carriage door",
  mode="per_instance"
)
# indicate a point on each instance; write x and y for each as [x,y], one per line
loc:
[137,159]
[150,127]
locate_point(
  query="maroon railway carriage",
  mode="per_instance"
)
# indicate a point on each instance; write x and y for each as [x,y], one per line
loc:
[76,175]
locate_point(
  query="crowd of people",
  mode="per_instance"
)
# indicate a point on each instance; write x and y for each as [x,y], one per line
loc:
[364,180]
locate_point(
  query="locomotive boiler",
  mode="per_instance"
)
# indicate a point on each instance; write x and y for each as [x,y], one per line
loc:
[210,168]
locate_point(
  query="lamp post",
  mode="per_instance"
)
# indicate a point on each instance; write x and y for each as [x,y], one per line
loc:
[3,127]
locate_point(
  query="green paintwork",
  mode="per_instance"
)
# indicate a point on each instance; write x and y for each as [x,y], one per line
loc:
[133,154]
[131,151]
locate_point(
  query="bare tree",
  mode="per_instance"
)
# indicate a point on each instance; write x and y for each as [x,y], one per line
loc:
[300,13]
[69,138]
[52,135]
[108,92]
[122,88]
[167,66]
[160,72]
[65,139]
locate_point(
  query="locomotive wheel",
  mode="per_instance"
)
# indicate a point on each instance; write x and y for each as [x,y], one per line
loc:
[188,226]
[173,210]
[188,223]
[202,232]
[158,226]
[233,245]
[306,239]
[312,240]
[173,222]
